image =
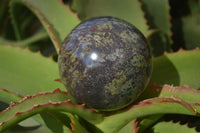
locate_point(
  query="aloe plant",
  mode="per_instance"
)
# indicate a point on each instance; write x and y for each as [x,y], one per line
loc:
[33,99]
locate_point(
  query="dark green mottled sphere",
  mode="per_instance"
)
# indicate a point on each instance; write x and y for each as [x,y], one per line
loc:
[105,63]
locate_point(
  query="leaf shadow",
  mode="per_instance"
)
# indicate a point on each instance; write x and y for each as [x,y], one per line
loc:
[3,105]
[163,72]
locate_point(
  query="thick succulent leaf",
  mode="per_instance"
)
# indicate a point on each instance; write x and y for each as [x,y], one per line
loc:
[76,126]
[3,106]
[24,43]
[28,126]
[26,73]
[6,29]
[41,125]
[59,117]
[184,93]
[170,127]
[191,31]
[129,10]
[157,14]
[114,123]
[49,101]
[57,18]
[54,124]
[148,121]
[194,6]
[159,43]
[180,68]
[29,101]
[3,10]
[131,127]
[40,41]
[8,97]
[19,129]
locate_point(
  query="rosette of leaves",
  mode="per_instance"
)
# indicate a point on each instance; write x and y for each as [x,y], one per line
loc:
[33,100]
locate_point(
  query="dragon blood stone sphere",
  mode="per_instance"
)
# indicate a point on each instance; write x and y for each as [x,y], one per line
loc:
[105,63]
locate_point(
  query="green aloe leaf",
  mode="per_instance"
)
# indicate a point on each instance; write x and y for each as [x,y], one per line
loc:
[191,31]
[28,126]
[54,123]
[9,97]
[157,13]
[3,10]
[25,73]
[159,43]
[170,127]
[61,118]
[184,93]
[129,10]
[3,106]
[76,126]
[148,121]
[49,101]
[194,6]
[20,129]
[56,17]
[131,127]
[6,29]
[29,101]
[147,107]
[158,17]
[24,43]
[180,68]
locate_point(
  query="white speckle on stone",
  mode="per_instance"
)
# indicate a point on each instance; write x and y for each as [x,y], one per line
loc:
[113,56]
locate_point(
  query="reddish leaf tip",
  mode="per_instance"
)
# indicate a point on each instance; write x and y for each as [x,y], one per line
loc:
[11,93]
[181,49]
[58,80]
[18,113]
[136,126]
[57,90]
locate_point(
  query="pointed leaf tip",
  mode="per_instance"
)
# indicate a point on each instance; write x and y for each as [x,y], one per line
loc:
[58,90]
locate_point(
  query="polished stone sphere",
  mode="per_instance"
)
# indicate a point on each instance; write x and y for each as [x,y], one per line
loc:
[105,63]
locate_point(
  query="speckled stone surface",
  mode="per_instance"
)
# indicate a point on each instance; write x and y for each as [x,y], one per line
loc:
[105,63]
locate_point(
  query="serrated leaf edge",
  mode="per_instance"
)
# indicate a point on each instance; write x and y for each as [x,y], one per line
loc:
[48,106]
[180,50]
[40,16]
[145,103]
[163,100]
[136,126]
[32,96]
[27,49]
